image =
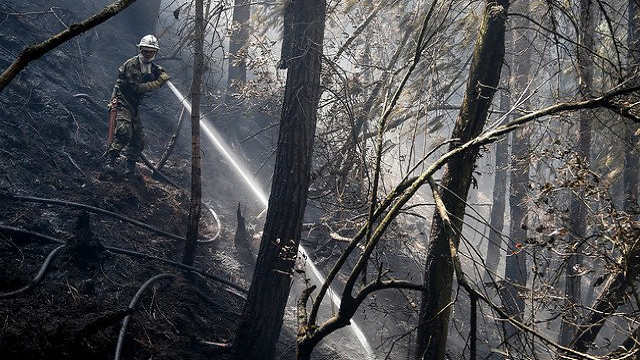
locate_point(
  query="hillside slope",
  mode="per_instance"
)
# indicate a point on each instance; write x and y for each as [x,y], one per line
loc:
[52,136]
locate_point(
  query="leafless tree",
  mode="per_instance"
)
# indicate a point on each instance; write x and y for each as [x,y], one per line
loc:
[195,205]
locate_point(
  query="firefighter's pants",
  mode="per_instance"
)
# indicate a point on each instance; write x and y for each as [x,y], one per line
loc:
[129,133]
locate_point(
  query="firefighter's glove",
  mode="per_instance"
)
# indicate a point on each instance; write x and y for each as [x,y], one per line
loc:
[164,77]
[113,105]
[155,84]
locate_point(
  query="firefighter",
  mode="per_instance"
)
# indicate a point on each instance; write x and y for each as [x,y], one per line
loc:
[136,77]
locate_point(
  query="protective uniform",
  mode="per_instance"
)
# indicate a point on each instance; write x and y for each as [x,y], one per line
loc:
[136,77]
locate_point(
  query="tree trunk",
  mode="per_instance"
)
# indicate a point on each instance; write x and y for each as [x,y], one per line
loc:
[261,318]
[484,76]
[238,43]
[196,185]
[500,181]
[515,263]
[237,71]
[497,209]
[573,282]
[496,240]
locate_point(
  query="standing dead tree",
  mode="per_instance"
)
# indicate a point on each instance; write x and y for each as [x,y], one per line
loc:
[484,77]
[195,206]
[579,210]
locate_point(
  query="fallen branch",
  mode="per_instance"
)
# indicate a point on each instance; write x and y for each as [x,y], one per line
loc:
[74,163]
[178,265]
[117,250]
[10,230]
[115,215]
[93,210]
[158,172]
[172,142]
[36,51]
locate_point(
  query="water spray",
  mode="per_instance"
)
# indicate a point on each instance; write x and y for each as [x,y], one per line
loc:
[215,138]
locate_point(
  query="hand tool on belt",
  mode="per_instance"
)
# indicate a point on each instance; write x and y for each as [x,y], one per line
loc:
[113,107]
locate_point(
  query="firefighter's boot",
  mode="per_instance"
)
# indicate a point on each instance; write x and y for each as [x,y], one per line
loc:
[131,167]
[110,164]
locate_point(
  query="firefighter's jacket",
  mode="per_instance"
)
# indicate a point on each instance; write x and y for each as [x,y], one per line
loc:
[135,79]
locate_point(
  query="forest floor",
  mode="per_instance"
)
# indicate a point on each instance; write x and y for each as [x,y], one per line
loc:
[77,309]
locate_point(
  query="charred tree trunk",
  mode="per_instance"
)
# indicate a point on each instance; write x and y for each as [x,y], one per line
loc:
[484,76]
[515,263]
[261,318]
[500,180]
[238,43]
[196,185]
[237,70]
[631,158]
[573,282]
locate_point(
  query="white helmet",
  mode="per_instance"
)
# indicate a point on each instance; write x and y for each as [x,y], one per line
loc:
[149,41]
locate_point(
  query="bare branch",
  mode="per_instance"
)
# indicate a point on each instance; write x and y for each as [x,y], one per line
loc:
[36,51]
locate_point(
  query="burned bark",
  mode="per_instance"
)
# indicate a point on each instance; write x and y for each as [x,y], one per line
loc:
[484,76]
[195,205]
[263,312]
[573,281]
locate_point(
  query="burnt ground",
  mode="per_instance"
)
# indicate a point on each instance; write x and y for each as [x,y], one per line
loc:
[53,125]
[51,143]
